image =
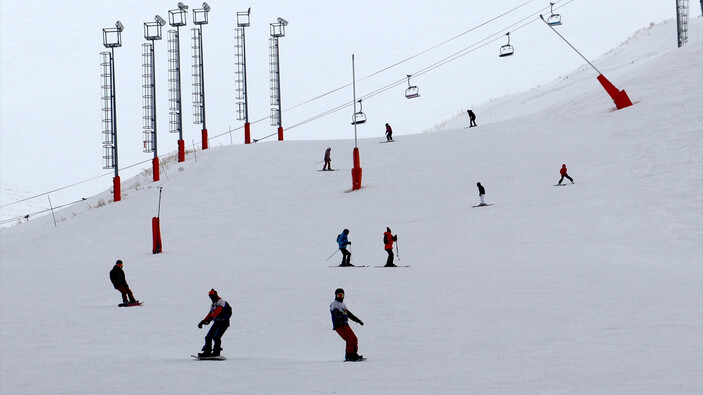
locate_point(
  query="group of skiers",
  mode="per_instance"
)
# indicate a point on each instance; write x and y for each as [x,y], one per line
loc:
[388,239]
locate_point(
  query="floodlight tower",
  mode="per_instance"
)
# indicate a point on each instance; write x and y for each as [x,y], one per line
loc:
[241,62]
[682,21]
[152,32]
[112,38]
[199,18]
[176,18]
[278,29]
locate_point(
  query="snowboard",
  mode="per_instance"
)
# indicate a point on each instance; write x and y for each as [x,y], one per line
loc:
[350,266]
[130,304]
[483,205]
[561,185]
[358,360]
[217,358]
[394,266]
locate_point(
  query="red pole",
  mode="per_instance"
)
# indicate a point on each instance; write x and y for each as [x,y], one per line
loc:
[204,138]
[155,166]
[280,133]
[356,171]
[247,133]
[619,96]
[117,189]
[181,151]
[156,235]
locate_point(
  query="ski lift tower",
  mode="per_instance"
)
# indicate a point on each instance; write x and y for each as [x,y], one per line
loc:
[278,30]
[112,38]
[682,21]
[152,32]
[356,170]
[199,19]
[176,18]
[241,63]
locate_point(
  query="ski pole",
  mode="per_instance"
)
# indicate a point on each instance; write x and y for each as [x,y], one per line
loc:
[317,163]
[328,258]
[397,251]
[158,214]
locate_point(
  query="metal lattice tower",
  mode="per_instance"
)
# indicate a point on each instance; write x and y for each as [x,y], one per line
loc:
[198,93]
[682,21]
[240,73]
[149,98]
[174,83]
[108,111]
[275,78]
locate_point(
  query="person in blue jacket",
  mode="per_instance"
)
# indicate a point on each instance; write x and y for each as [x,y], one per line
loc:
[342,240]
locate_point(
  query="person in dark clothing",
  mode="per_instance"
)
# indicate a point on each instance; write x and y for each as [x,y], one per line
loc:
[388,239]
[472,118]
[340,324]
[120,283]
[563,173]
[220,313]
[328,160]
[481,193]
[389,133]
[343,241]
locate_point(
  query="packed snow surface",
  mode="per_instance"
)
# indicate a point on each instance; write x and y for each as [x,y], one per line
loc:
[591,288]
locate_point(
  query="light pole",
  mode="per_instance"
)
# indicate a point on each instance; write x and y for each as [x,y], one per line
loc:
[278,29]
[200,18]
[176,18]
[112,38]
[152,32]
[241,63]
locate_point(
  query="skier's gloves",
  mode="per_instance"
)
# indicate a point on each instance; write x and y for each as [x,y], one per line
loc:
[361,322]
[201,323]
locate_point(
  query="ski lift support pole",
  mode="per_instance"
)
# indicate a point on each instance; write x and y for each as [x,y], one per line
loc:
[619,96]
[356,170]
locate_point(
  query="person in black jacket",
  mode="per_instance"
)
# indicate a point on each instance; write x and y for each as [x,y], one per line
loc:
[472,118]
[481,194]
[118,281]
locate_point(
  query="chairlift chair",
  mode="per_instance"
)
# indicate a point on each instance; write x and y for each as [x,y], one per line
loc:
[553,19]
[412,91]
[507,49]
[359,117]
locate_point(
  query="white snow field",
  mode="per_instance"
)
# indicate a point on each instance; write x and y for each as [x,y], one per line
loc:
[591,288]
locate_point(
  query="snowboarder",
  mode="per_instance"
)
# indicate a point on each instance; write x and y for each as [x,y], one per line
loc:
[328,160]
[120,283]
[342,240]
[220,313]
[388,239]
[481,194]
[563,174]
[340,324]
[389,133]
[472,118]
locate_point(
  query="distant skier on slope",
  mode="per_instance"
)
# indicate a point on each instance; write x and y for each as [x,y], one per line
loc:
[118,280]
[563,173]
[343,241]
[472,118]
[340,323]
[481,194]
[389,133]
[220,313]
[328,160]
[388,239]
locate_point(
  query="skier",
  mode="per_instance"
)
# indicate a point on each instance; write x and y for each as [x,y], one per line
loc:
[342,240]
[220,312]
[340,323]
[328,161]
[388,239]
[481,194]
[472,118]
[120,283]
[389,133]
[563,174]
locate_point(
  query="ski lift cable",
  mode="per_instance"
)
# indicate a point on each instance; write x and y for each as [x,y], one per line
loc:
[479,44]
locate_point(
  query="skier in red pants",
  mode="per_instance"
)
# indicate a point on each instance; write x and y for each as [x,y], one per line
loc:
[340,323]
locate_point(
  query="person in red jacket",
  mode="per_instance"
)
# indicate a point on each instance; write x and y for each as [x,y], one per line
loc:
[220,313]
[388,239]
[389,133]
[563,174]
